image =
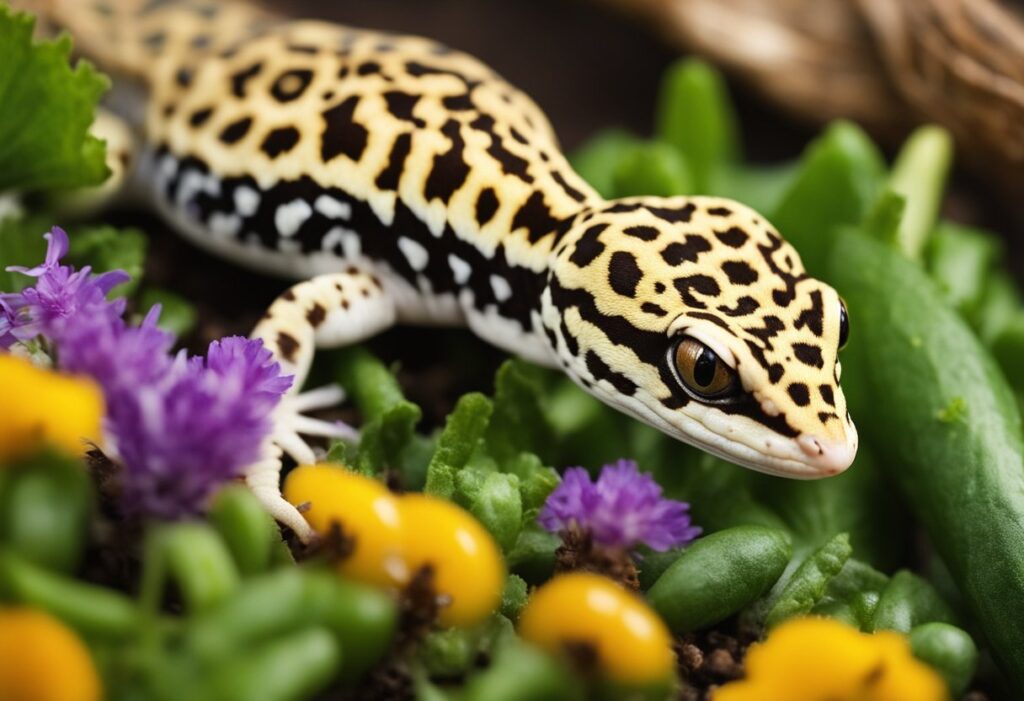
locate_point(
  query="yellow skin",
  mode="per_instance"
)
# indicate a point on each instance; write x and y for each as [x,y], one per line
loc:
[395,537]
[404,182]
[632,644]
[42,660]
[45,408]
[820,659]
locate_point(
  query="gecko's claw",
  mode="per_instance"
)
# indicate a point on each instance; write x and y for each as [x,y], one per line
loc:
[264,476]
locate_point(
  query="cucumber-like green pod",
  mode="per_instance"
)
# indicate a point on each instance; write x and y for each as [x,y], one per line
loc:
[948,649]
[95,612]
[718,575]
[290,599]
[286,669]
[810,580]
[950,428]
[908,601]
[248,531]
[45,510]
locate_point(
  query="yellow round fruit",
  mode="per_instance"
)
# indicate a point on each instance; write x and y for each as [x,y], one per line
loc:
[466,561]
[365,511]
[42,407]
[631,643]
[42,660]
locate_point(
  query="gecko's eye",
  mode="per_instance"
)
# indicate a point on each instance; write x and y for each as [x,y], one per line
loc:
[844,325]
[702,373]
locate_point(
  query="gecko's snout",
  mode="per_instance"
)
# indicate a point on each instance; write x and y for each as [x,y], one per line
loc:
[829,457]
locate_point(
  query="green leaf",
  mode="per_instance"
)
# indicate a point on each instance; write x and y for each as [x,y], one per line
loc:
[695,115]
[462,433]
[46,109]
[177,314]
[808,584]
[597,160]
[518,423]
[838,181]
[652,168]
[919,174]
[960,260]
[106,248]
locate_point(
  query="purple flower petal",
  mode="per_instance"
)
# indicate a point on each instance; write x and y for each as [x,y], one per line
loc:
[624,508]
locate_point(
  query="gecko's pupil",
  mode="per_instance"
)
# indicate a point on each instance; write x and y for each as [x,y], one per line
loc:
[844,325]
[704,368]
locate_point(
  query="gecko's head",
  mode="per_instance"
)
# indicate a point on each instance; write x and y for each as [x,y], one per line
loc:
[693,315]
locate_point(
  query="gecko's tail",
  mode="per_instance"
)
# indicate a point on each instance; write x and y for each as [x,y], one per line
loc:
[132,38]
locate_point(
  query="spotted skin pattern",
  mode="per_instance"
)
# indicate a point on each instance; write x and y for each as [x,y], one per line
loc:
[407,182]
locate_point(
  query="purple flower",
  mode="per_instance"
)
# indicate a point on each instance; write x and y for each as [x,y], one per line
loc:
[59,295]
[624,508]
[180,426]
[196,428]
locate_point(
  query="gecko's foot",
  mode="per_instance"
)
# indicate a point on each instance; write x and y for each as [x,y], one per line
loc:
[290,424]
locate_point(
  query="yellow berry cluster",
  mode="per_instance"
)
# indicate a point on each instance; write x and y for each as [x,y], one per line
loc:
[395,536]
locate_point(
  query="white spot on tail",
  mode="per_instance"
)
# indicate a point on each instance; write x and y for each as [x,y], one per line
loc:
[460,269]
[247,201]
[290,217]
[502,290]
[224,225]
[332,208]
[414,252]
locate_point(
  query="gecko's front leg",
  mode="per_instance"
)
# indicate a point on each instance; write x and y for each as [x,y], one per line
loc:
[327,311]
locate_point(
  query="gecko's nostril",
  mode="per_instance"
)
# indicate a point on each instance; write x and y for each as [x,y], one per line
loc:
[829,457]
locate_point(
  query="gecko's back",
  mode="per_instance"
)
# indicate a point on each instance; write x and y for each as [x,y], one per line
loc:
[299,147]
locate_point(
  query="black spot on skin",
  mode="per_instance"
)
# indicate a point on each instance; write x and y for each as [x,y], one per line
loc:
[389,177]
[827,395]
[599,370]
[368,68]
[458,103]
[303,49]
[676,253]
[291,84]
[566,187]
[739,272]
[401,105]
[510,163]
[808,355]
[701,284]
[814,316]
[783,298]
[674,216]
[199,117]
[644,233]
[486,206]
[799,393]
[826,416]
[281,140]
[450,170]
[571,344]
[183,77]
[775,372]
[342,134]
[316,315]
[418,70]
[659,287]
[343,72]
[517,135]
[719,211]
[328,95]
[536,217]
[236,131]
[155,40]
[242,77]
[288,296]
[168,111]
[589,247]
[287,345]
[652,308]
[744,306]
[734,237]
[622,207]
[771,327]
[201,41]
[624,274]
